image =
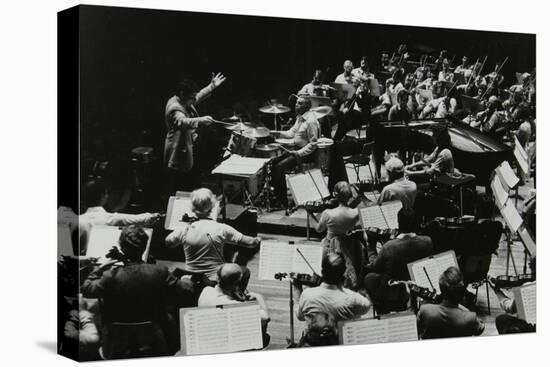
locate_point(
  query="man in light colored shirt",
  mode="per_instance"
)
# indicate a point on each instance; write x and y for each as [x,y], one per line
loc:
[347,76]
[330,300]
[203,240]
[305,134]
[316,87]
[401,188]
[96,196]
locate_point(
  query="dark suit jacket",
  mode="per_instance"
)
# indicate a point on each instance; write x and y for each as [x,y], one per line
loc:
[178,145]
[396,254]
[135,292]
[447,321]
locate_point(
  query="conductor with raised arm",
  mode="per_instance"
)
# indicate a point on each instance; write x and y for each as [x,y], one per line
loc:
[182,120]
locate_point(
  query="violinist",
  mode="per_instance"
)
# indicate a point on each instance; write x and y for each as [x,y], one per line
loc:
[362,73]
[442,105]
[449,318]
[203,240]
[391,264]
[490,119]
[347,76]
[229,291]
[469,88]
[462,68]
[330,301]
[337,223]
[439,61]
[445,75]
[316,87]
[135,292]
[508,323]
[494,80]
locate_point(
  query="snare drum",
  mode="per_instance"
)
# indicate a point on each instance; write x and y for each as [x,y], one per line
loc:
[323,154]
[267,150]
[241,144]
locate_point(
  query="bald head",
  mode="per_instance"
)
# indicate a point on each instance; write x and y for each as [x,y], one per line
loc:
[229,276]
[348,66]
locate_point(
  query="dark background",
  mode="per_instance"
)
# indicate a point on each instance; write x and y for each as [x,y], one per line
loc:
[130,60]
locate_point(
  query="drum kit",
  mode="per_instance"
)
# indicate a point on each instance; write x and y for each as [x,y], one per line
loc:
[250,139]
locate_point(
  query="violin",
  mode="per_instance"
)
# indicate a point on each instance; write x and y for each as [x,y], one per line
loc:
[429,295]
[301,278]
[512,281]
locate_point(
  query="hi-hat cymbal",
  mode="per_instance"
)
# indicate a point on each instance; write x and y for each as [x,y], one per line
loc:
[241,126]
[274,109]
[318,112]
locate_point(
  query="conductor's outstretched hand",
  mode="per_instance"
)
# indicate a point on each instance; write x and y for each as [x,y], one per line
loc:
[217,79]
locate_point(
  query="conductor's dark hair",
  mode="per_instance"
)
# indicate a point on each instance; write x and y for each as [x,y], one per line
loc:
[333,268]
[408,223]
[133,242]
[186,88]
[451,284]
[94,191]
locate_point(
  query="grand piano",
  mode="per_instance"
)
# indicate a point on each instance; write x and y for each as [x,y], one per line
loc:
[473,151]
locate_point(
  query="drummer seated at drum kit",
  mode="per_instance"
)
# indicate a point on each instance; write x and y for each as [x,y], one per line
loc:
[304,135]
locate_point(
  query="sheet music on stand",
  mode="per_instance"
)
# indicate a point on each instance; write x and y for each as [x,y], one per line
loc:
[221,329]
[381,216]
[499,192]
[240,166]
[511,216]
[398,327]
[507,176]
[282,257]
[308,186]
[522,162]
[434,266]
[103,238]
[64,240]
[528,241]
[520,148]
[526,302]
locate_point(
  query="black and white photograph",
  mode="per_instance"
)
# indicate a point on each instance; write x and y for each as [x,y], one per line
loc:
[259,183]
[273,183]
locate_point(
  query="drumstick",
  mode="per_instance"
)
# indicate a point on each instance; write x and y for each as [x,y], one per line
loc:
[222,123]
[282,147]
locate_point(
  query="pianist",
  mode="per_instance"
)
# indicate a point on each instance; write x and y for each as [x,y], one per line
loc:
[439,162]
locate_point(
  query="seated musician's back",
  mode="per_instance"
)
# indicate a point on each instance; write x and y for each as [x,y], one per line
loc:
[203,240]
[449,319]
[331,298]
[401,188]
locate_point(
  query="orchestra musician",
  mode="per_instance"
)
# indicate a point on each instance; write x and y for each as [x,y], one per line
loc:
[135,293]
[323,306]
[449,318]
[442,105]
[400,111]
[462,68]
[337,223]
[445,75]
[203,240]
[494,80]
[182,121]
[347,76]
[305,133]
[469,88]
[439,162]
[316,87]
[362,72]
[228,291]
[400,187]
[391,264]
[96,196]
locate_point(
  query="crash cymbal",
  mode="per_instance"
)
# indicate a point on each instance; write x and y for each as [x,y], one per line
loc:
[318,112]
[274,109]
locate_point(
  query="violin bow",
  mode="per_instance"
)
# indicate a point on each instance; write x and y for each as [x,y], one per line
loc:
[307,262]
